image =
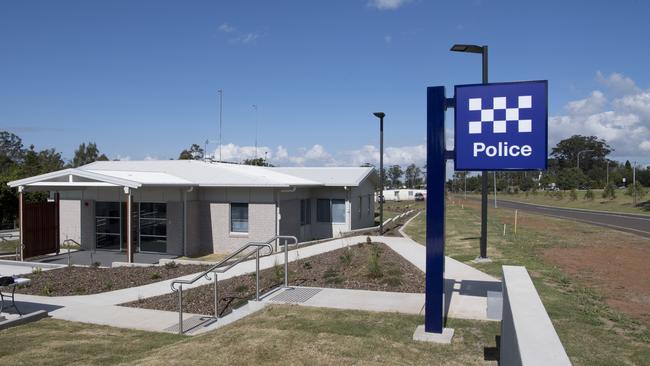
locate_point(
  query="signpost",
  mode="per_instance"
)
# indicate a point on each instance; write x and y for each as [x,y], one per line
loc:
[500,126]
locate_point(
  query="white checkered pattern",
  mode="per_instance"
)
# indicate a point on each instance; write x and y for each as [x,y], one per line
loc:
[511,115]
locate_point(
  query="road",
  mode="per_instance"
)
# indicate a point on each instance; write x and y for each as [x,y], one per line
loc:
[631,223]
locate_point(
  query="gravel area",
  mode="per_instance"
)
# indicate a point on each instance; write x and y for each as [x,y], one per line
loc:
[363,266]
[92,280]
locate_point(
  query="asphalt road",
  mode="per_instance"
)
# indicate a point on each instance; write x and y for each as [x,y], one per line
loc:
[631,223]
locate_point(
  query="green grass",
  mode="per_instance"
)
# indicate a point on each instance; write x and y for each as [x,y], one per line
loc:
[394,208]
[56,342]
[622,202]
[592,332]
[287,335]
[8,246]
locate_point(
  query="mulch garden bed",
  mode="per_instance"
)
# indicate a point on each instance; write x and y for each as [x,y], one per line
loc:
[365,266]
[92,280]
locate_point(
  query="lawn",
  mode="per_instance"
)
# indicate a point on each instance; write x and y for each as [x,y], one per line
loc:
[8,246]
[287,335]
[622,202]
[595,320]
[394,208]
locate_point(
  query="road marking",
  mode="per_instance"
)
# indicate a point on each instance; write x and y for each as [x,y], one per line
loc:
[596,223]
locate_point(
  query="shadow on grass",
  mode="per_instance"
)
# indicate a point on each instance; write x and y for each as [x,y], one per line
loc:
[492,353]
[471,238]
[645,205]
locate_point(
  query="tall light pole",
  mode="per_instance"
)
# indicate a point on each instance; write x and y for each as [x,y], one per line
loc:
[220,91]
[255,108]
[483,50]
[580,152]
[381,116]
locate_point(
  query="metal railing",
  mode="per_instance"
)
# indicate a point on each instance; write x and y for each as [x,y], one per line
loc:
[228,263]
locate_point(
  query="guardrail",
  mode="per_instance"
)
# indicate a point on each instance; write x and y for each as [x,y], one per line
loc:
[226,265]
[527,333]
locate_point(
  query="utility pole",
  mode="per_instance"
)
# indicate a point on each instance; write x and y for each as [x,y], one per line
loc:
[634,181]
[220,91]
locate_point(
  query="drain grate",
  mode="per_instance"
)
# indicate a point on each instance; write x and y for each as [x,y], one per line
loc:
[295,295]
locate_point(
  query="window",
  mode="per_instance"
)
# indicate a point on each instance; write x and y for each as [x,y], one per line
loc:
[330,210]
[153,227]
[369,203]
[410,193]
[305,212]
[239,217]
[338,211]
[360,205]
[323,210]
[108,225]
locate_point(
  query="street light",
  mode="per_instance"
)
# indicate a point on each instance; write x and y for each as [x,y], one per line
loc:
[381,116]
[483,50]
[580,152]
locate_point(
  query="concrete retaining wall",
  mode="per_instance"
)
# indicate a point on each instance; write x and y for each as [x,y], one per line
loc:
[527,333]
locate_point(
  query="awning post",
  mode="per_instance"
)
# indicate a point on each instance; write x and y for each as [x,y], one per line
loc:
[21,209]
[129,234]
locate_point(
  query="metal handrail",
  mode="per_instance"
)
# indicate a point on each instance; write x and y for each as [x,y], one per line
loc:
[66,241]
[217,268]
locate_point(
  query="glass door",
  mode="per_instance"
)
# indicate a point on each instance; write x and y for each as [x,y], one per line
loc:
[108,225]
[153,227]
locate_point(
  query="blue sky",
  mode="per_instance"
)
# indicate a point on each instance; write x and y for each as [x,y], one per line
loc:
[140,78]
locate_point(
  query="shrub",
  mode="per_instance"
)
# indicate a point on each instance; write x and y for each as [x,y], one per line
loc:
[171,265]
[108,285]
[154,276]
[278,272]
[573,195]
[346,257]
[640,191]
[96,264]
[589,195]
[306,265]
[609,192]
[47,289]
[368,240]
[374,268]
[241,289]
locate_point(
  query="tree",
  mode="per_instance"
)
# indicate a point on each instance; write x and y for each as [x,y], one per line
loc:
[11,147]
[395,172]
[413,176]
[195,152]
[257,162]
[87,154]
[592,163]
[570,178]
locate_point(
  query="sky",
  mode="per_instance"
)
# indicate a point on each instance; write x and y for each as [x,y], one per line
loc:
[141,78]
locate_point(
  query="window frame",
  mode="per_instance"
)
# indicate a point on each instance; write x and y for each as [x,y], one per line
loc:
[151,219]
[239,204]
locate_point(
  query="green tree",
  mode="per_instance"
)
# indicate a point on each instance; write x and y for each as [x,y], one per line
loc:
[412,176]
[11,147]
[257,162]
[395,173]
[570,178]
[87,154]
[609,191]
[195,152]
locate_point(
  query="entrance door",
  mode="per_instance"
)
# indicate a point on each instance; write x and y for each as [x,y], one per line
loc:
[108,225]
[152,227]
[40,229]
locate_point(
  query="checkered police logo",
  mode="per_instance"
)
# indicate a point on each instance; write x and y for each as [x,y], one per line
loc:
[499,116]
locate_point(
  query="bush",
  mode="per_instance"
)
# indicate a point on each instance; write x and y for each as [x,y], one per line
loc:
[640,191]
[170,265]
[589,195]
[346,257]
[374,268]
[609,192]
[154,276]
[573,195]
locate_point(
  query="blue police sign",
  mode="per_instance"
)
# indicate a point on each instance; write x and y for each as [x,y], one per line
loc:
[501,126]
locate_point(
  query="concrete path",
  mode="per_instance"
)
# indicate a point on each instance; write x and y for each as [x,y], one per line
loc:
[465,288]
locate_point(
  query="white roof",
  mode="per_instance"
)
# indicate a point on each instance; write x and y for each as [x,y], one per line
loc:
[193,173]
[330,176]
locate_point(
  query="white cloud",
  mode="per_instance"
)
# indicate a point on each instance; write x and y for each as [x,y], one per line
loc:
[620,114]
[245,38]
[618,83]
[317,155]
[238,36]
[226,28]
[387,4]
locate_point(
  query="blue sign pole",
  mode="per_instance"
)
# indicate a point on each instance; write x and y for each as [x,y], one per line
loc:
[433,305]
